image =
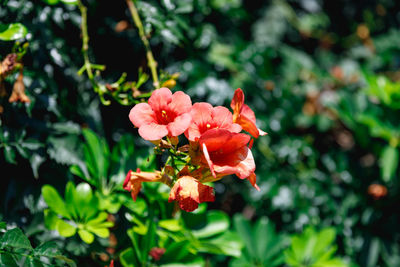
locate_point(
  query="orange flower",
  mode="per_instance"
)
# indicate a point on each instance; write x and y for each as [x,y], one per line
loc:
[133,181]
[243,115]
[189,192]
[227,153]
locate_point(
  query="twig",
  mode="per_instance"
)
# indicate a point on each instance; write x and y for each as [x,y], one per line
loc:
[151,62]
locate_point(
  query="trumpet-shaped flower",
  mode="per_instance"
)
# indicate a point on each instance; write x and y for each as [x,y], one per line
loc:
[164,114]
[206,117]
[227,153]
[133,181]
[243,115]
[189,193]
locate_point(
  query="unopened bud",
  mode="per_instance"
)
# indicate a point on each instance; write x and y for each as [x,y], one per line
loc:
[169,83]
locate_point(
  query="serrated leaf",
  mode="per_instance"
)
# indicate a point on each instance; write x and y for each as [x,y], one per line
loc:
[15,238]
[7,259]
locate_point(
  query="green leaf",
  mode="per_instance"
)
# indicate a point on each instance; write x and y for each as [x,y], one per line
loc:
[9,154]
[96,155]
[127,258]
[373,253]
[48,249]
[99,231]
[7,259]
[70,204]
[243,228]
[54,201]
[65,229]
[228,244]
[217,222]
[52,2]
[176,251]
[12,31]
[70,2]
[171,225]
[86,236]
[15,238]
[50,219]
[85,201]
[389,161]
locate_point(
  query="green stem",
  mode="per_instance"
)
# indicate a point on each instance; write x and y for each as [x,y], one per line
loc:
[150,59]
[85,43]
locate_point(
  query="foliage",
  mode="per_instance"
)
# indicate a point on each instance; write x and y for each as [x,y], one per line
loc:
[79,212]
[263,245]
[313,248]
[321,76]
[16,250]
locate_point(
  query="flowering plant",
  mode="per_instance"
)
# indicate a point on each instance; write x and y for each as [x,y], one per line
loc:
[213,147]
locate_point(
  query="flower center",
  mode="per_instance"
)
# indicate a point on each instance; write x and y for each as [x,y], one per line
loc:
[208,126]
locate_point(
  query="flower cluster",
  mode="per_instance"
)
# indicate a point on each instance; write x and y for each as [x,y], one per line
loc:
[215,146]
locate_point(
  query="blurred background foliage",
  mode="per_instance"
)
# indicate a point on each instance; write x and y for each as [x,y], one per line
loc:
[322,77]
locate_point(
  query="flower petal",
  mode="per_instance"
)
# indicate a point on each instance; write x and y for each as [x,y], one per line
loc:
[223,118]
[241,163]
[160,99]
[252,180]
[180,103]
[141,114]
[201,115]
[180,124]
[208,159]
[153,131]
[189,192]
[215,138]
[237,102]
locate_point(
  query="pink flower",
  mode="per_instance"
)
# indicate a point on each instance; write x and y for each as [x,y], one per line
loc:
[206,117]
[227,153]
[164,114]
[243,115]
[189,192]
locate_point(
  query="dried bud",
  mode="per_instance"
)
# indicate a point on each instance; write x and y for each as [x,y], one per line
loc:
[110,87]
[269,85]
[362,31]
[377,191]
[8,64]
[156,253]
[121,26]
[18,93]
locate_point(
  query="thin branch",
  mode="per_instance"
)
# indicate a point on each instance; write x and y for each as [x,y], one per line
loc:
[151,62]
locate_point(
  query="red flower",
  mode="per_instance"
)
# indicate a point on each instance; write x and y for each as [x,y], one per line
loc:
[206,117]
[165,114]
[189,192]
[243,115]
[133,181]
[227,153]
